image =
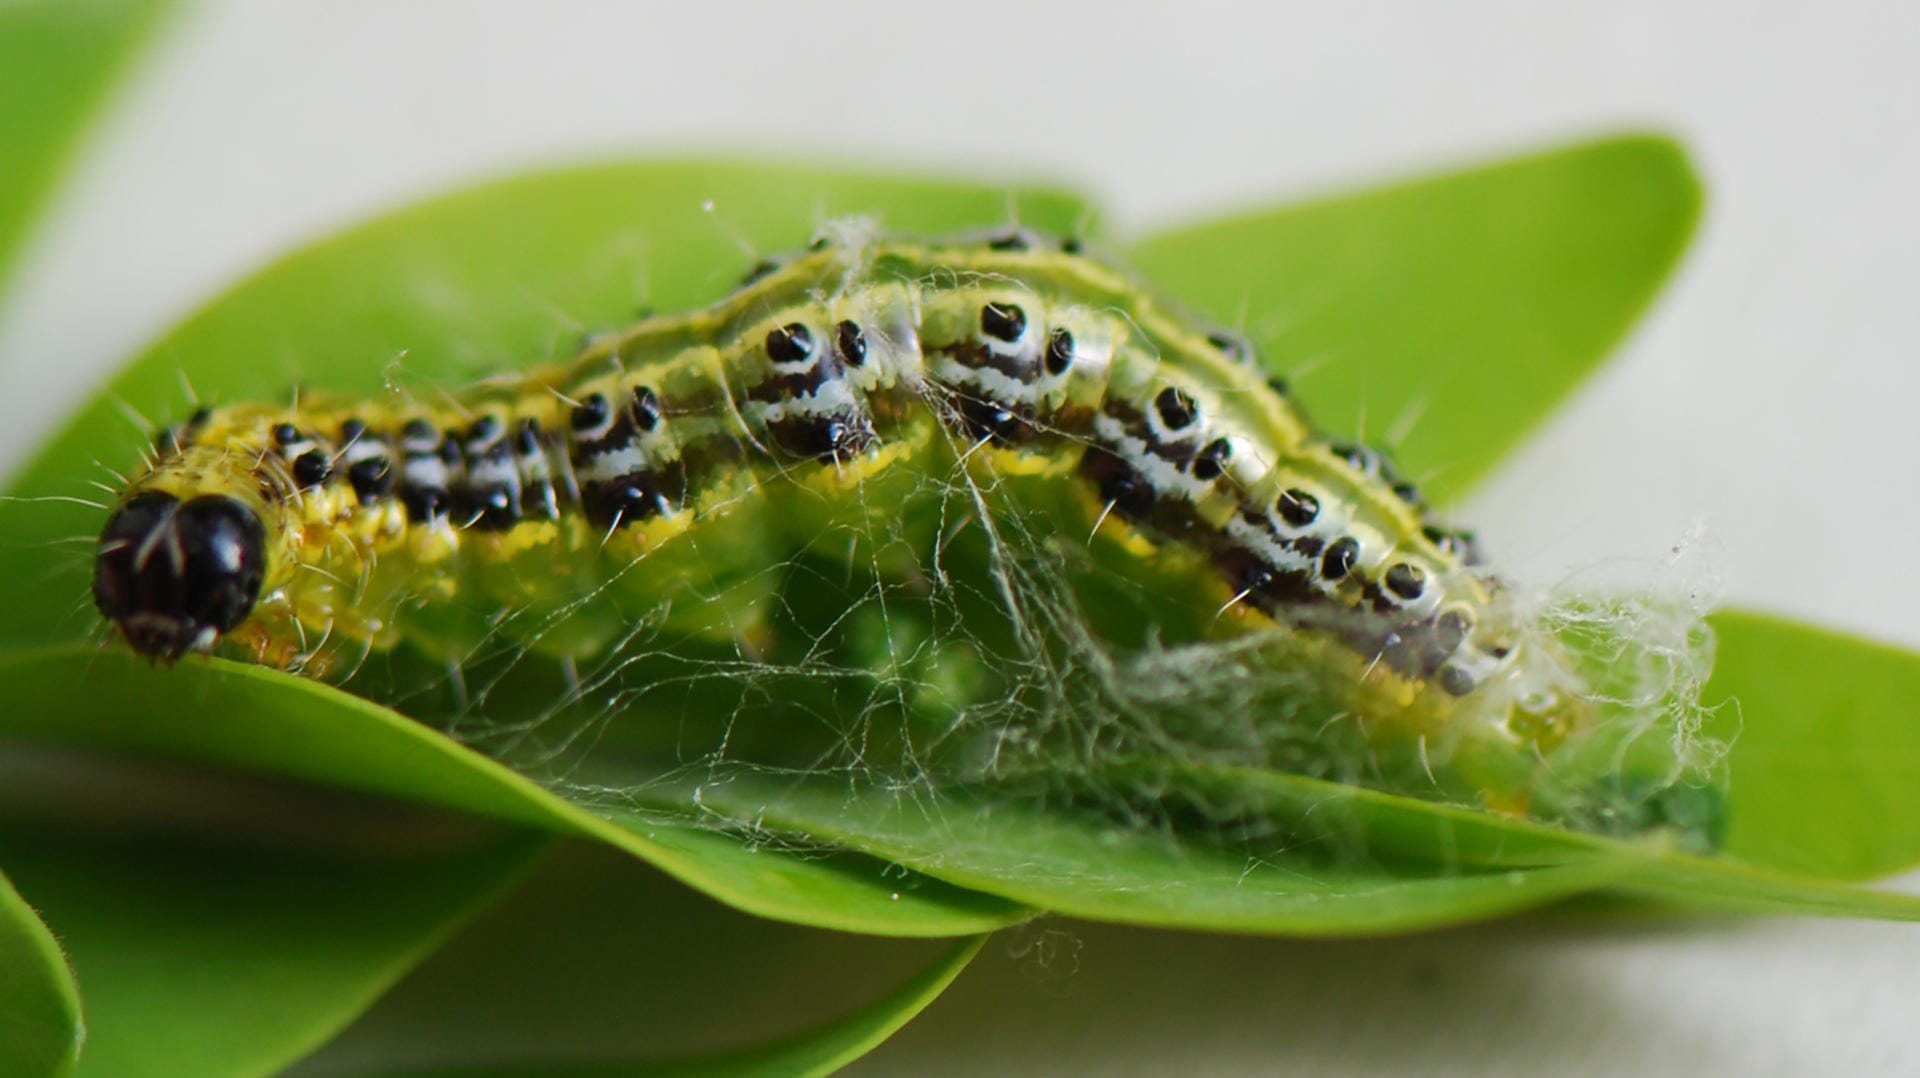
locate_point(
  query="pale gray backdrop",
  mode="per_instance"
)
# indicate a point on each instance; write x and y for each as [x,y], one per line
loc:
[1762,416]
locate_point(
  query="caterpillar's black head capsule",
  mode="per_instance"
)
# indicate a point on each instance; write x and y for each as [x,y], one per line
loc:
[173,575]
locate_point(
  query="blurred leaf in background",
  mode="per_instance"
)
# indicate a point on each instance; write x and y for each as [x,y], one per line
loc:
[58,59]
[234,940]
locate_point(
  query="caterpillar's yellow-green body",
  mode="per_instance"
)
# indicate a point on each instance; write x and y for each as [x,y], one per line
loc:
[669,468]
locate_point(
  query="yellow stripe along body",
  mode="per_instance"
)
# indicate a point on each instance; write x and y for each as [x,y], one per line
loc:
[667,469]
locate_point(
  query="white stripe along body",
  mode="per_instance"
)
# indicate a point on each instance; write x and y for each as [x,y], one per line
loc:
[670,464]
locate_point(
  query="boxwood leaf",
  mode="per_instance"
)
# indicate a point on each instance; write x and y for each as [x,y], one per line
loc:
[57,60]
[1285,881]
[1474,300]
[1825,763]
[449,291]
[40,1028]
[251,718]
[213,959]
[1566,245]
[718,992]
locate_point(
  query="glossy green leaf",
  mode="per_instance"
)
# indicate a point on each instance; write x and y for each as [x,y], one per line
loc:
[722,993]
[1409,832]
[830,1048]
[1826,747]
[423,276]
[215,957]
[1113,871]
[1467,304]
[1288,882]
[58,58]
[251,718]
[1482,297]
[1299,883]
[445,292]
[496,275]
[40,1028]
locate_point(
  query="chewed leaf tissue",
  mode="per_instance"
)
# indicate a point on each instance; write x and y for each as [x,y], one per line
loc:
[991,475]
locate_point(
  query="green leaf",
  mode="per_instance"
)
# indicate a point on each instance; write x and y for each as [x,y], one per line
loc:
[1288,882]
[832,1047]
[821,1051]
[722,993]
[1339,861]
[1114,871]
[434,274]
[39,1005]
[1394,830]
[212,957]
[1826,747]
[1474,301]
[1568,245]
[251,718]
[57,60]
[497,275]
[448,291]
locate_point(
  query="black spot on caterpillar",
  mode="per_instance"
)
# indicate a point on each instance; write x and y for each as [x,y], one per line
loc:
[681,457]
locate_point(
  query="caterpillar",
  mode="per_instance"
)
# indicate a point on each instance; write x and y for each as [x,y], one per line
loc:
[665,466]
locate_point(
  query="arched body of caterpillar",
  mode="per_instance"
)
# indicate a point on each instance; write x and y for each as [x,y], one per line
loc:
[669,465]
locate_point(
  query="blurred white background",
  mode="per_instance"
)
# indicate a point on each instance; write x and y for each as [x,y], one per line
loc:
[1766,405]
